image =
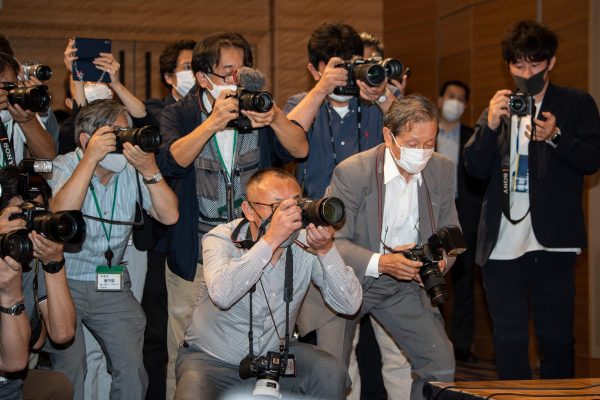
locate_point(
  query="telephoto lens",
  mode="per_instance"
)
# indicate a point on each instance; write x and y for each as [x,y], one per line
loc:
[39,71]
[148,138]
[34,98]
[371,74]
[36,165]
[62,226]
[17,245]
[328,211]
[393,68]
[434,283]
[256,101]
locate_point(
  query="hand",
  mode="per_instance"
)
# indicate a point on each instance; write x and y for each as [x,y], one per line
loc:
[19,115]
[10,282]
[224,110]
[102,142]
[498,107]
[400,85]
[70,55]
[106,62]
[332,77]
[32,81]
[371,93]
[144,162]
[398,266]
[3,99]
[320,238]
[261,119]
[286,219]
[45,249]
[544,130]
[6,225]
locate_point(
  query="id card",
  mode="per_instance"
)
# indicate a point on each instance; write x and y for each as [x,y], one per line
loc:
[109,279]
[290,368]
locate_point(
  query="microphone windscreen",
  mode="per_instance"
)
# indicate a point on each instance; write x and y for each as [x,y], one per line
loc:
[250,79]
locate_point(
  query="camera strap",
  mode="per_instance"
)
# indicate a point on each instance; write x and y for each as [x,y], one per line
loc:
[505,171]
[7,149]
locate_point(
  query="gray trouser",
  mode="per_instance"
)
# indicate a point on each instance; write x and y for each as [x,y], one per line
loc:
[200,376]
[117,321]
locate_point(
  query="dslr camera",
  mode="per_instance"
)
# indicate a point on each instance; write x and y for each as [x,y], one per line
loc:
[449,239]
[328,211]
[40,71]
[148,138]
[259,101]
[267,370]
[34,98]
[372,71]
[520,104]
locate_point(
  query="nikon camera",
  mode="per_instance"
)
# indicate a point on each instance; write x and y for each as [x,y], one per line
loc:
[148,138]
[34,98]
[371,71]
[260,101]
[521,104]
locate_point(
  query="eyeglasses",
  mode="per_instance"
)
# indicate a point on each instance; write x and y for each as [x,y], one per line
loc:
[272,205]
[229,79]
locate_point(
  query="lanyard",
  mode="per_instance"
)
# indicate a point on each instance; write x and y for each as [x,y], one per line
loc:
[108,232]
[221,160]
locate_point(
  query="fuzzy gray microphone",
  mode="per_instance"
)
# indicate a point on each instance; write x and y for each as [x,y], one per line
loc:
[250,79]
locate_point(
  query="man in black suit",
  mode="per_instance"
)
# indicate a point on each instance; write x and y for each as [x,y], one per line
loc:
[532,224]
[452,137]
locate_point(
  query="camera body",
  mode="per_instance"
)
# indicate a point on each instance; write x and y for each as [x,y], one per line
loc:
[34,98]
[372,71]
[259,101]
[148,138]
[449,239]
[521,104]
[327,211]
[39,71]
[270,366]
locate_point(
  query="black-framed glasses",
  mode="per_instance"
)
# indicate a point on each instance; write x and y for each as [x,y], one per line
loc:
[272,205]
[229,79]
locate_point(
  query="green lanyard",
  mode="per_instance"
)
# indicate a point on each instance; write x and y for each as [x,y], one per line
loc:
[108,232]
[235,135]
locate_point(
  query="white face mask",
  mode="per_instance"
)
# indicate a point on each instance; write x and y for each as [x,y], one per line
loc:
[412,160]
[452,110]
[185,81]
[97,91]
[217,89]
[113,162]
[6,116]
[339,98]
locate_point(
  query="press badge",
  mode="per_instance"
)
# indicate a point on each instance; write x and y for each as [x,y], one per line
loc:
[521,175]
[109,279]
[290,368]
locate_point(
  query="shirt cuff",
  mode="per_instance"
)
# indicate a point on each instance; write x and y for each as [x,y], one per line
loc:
[373,266]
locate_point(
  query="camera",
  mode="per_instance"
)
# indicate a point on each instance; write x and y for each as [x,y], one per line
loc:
[328,211]
[260,101]
[17,245]
[34,98]
[148,138]
[61,227]
[267,370]
[372,71]
[521,104]
[449,239]
[40,71]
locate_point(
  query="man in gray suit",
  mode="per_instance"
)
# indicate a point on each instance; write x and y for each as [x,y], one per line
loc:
[396,195]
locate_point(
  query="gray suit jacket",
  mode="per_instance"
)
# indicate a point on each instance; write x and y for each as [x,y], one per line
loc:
[355,181]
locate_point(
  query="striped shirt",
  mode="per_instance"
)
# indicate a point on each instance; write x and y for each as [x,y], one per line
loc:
[221,318]
[81,265]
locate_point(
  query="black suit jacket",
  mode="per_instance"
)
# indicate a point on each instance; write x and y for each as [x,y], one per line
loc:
[555,175]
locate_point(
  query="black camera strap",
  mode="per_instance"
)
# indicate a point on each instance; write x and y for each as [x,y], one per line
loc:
[7,149]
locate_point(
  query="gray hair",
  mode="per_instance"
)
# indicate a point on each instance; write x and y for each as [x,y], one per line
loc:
[410,110]
[96,114]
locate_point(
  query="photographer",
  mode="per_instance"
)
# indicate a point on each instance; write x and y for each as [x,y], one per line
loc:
[398,193]
[256,252]
[104,184]
[48,307]
[535,147]
[24,130]
[208,164]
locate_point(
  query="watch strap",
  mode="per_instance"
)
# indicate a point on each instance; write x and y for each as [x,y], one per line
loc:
[53,266]
[157,177]
[15,309]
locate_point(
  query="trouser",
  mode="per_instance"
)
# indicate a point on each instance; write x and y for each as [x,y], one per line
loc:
[182,296]
[117,322]
[540,282]
[200,376]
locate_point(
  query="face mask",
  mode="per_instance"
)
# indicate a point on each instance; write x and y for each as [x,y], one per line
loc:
[411,160]
[97,91]
[339,98]
[452,110]
[113,162]
[6,116]
[185,81]
[532,85]
[216,90]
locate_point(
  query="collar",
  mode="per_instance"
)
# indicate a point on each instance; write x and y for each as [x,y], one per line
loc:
[391,171]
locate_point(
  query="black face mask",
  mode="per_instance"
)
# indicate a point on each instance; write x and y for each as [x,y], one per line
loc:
[532,85]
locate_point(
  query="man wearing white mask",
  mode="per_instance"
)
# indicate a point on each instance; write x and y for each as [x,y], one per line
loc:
[398,194]
[103,183]
[468,191]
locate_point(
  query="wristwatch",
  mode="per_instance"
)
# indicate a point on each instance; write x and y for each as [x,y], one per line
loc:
[555,139]
[382,99]
[16,309]
[157,177]
[53,266]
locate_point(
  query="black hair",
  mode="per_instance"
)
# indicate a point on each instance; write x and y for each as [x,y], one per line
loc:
[207,52]
[8,61]
[372,41]
[5,46]
[168,58]
[9,182]
[460,84]
[333,40]
[529,41]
